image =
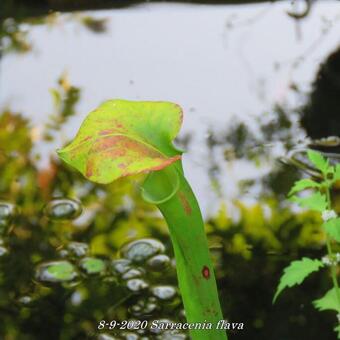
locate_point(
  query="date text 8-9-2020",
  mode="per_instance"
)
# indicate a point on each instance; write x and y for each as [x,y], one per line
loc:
[165,325]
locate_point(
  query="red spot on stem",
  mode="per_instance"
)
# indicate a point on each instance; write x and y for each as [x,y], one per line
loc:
[206,272]
[185,204]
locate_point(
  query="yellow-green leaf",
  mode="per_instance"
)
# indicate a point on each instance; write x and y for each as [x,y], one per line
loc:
[332,228]
[302,185]
[337,172]
[315,201]
[296,272]
[328,301]
[318,161]
[122,138]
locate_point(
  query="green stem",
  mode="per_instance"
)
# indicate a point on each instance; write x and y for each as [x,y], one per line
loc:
[331,254]
[193,264]
[333,270]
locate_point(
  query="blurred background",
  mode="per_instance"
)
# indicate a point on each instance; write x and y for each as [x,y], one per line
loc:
[256,79]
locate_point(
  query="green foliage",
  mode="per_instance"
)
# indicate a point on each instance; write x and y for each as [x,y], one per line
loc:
[13,38]
[315,201]
[337,172]
[302,185]
[15,32]
[319,200]
[63,271]
[94,24]
[332,228]
[92,265]
[296,272]
[65,97]
[319,161]
[328,301]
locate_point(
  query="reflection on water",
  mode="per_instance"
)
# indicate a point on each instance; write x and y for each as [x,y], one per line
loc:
[141,250]
[7,214]
[92,265]
[56,271]
[223,66]
[63,209]
[78,249]
[247,105]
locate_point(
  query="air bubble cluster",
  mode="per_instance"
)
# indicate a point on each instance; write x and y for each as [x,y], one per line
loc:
[8,211]
[7,214]
[144,270]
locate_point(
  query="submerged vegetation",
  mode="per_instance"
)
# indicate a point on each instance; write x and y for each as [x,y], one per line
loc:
[66,265]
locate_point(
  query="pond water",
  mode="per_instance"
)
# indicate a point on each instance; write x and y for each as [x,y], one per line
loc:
[217,62]
[74,253]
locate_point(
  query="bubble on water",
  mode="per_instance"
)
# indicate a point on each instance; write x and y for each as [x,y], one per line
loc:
[173,263]
[147,310]
[142,249]
[56,271]
[164,292]
[120,266]
[144,307]
[63,253]
[71,284]
[92,265]
[158,263]
[109,279]
[104,336]
[63,209]
[3,251]
[182,314]
[7,214]
[172,335]
[136,310]
[136,285]
[78,249]
[129,336]
[76,298]
[142,332]
[132,273]
[25,300]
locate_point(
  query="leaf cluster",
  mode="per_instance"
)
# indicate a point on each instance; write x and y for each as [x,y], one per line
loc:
[317,199]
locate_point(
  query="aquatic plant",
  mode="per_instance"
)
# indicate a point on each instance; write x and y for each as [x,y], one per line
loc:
[123,138]
[319,199]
